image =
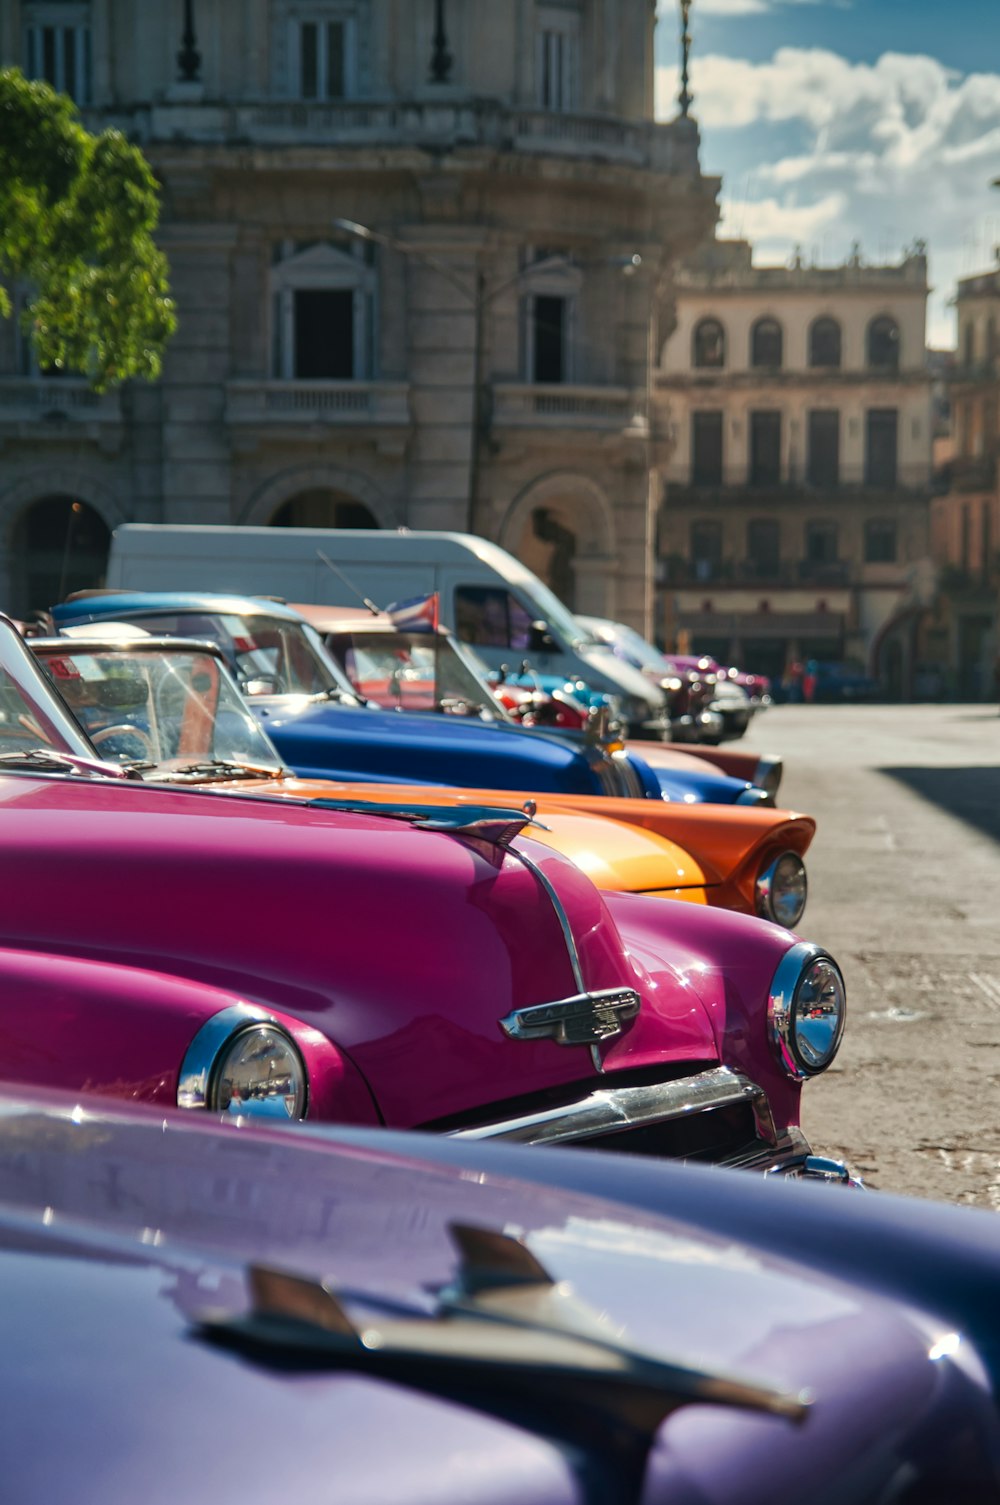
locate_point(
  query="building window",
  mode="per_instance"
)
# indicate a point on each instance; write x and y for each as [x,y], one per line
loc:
[323,315]
[765,449]
[706,551]
[491,617]
[821,543]
[706,449]
[763,548]
[823,465]
[324,53]
[549,316]
[709,344]
[883,344]
[881,447]
[557,59]
[968,343]
[766,343]
[880,542]
[549,328]
[824,343]
[57,47]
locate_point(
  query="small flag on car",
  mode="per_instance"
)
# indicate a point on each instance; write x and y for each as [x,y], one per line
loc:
[418,614]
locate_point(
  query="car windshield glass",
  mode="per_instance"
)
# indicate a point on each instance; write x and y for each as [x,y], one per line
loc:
[268,655]
[412,671]
[30,714]
[170,708]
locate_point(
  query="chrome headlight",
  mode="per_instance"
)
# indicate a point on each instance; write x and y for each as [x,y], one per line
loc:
[241,1061]
[781,889]
[806,1010]
[767,774]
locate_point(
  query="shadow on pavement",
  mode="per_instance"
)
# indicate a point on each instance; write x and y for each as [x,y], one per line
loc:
[972,794]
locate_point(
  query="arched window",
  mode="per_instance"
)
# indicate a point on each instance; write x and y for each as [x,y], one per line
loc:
[766,343]
[883,343]
[709,344]
[824,343]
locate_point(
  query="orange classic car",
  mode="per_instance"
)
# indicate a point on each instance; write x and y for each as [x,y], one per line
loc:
[168,709]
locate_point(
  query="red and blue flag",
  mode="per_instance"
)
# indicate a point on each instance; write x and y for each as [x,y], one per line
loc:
[418,614]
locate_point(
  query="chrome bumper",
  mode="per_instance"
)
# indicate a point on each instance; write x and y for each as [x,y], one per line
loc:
[612,1110]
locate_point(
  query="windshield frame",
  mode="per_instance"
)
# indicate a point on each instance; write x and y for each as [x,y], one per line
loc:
[55,720]
[264,757]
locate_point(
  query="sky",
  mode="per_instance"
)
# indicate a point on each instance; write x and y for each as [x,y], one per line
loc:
[835,121]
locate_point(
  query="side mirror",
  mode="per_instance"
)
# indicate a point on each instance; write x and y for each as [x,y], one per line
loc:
[262,684]
[540,639]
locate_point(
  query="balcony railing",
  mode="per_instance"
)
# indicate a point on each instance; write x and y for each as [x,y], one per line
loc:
[56,402]
[803,573]
[609,409]
[662,147]
[297,403]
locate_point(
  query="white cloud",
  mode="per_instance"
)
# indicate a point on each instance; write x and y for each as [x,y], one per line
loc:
[742,7]
[883,153]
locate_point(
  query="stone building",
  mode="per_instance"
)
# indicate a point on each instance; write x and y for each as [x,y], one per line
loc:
[474,354]
[798,403]
[965,521]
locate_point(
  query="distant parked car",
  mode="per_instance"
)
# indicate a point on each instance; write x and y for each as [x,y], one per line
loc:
[837,680]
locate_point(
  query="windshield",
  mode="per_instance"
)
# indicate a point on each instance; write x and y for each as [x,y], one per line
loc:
[170,708]
[30,715]
[268,655]
[412,671]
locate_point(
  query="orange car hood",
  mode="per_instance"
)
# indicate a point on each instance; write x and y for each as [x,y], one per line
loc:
[615,855]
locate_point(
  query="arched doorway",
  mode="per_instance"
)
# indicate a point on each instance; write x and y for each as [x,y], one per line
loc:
[548,548]
[59,545]
[560,527]
[323,508]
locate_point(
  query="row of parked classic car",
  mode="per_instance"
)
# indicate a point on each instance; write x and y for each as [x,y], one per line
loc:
[263,911]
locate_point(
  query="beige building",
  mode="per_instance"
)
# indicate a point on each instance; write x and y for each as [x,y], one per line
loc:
[797,401]
[481,359]
[965,521]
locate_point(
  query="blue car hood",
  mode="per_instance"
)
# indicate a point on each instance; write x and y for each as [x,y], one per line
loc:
[333,741]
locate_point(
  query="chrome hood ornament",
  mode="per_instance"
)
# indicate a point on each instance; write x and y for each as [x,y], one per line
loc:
[584,1019]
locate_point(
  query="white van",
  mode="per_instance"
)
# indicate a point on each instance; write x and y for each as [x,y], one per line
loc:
[487,597]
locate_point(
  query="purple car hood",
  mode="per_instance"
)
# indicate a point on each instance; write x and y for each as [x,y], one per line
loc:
[404,947]
[148,1222]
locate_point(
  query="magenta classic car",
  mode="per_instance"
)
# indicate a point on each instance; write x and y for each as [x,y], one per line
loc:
[417,966]
[200,1310]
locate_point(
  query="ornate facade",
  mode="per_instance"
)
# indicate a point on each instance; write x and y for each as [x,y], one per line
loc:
[798,402]
[475,353]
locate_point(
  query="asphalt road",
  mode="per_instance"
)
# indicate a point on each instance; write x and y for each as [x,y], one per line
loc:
[905,891]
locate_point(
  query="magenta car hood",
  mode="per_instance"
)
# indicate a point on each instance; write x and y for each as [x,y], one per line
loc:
[404,947]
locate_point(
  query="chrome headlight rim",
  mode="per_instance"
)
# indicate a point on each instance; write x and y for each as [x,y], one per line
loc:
[795,968]
[764,887]
[201,1069]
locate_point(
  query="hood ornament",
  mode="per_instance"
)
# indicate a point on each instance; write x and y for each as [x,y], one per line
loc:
[584,1019]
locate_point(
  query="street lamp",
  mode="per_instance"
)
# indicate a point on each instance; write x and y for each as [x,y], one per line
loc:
[685,98]
[189,58]
[479,299]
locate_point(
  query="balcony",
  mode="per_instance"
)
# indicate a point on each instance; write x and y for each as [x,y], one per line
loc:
[310,404]
[58,408]
[665,148]
[803,574]
[589,410]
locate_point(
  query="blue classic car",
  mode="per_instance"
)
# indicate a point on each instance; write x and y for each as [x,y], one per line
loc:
[321,729]
[204,1310]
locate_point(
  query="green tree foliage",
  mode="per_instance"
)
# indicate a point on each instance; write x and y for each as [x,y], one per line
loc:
[77,215]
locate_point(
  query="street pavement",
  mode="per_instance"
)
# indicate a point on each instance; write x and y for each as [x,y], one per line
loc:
[904,878]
